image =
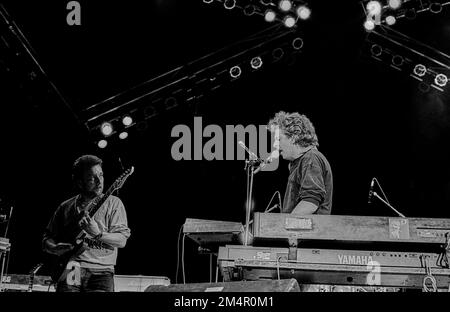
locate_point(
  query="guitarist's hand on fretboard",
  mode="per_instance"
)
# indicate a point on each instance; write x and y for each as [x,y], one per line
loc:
[89,225]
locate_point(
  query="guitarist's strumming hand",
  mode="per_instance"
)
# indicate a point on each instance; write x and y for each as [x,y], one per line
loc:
[62,248]
[90,226]
[57,248]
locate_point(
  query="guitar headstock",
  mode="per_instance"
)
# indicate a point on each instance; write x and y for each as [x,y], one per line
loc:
[121,180]
[35,268]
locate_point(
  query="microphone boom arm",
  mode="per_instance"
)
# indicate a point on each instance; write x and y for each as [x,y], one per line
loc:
[387,204]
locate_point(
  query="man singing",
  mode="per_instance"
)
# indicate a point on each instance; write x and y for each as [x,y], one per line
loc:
[310,184]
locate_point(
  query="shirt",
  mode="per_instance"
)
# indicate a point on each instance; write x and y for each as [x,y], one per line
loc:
[111,218]
[310,179]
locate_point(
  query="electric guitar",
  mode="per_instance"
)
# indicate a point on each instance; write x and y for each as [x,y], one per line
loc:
[57,264]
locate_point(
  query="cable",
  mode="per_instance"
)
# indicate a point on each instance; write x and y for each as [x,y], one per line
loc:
[210,267]
[280,202]
[9,220]
[182,259]
[381,189]
[278,267]
[429,277]
[265,210]
[7,261]
[178,254]
[217,272]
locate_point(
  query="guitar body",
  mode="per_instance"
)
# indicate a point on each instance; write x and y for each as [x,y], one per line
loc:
[58,265]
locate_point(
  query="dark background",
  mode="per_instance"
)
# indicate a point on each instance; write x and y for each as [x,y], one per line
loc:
[371,120]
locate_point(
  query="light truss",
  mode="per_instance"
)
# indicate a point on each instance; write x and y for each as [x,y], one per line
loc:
[422,62]
[192,81]
[287,12]
[408,9]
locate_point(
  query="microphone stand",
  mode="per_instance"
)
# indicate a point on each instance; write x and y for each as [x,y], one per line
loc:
[387,204]
[250,170]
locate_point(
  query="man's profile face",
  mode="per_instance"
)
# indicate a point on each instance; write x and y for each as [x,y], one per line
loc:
[285,146]
[92,181]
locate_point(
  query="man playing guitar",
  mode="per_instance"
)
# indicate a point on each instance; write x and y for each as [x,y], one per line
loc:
[85,232]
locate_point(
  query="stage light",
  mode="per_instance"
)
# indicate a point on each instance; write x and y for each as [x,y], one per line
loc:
[106,128]
[435,7]
[249,10]
[369,25]
[269,16]
[395,4]
[440,80]
[390,20]
[410,14]
[285,5]
[142,126]
[397,60]
[229,4]
[376,50]
[303,12]
[289,21]
[127,120]
[235,72]
[424,87]
[256,62]
[420,70]
[170,102]
[149,111]
[373,8]
[277,53]
[102,143]
[297,43]
[123,135]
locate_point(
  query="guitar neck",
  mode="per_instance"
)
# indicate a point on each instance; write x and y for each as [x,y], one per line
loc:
[98,204]
[31,282]
[32,274]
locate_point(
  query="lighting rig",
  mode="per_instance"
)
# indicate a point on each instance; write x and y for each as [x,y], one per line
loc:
[388,12]
[383,43]
[113,119]
[287,12]
[423,63]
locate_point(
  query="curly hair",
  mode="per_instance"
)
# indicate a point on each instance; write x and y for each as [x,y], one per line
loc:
[295,126]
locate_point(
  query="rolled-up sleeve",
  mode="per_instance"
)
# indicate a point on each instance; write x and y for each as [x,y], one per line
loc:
[312,185]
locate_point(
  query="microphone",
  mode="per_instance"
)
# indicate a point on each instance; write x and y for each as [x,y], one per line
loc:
[249,151]
[369,200]
[274,155]
[272,208]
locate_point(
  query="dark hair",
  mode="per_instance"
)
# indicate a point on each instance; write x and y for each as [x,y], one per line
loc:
[296,126]
[82,164]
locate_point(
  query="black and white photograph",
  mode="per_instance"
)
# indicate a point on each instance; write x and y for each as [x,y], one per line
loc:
[248,147]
